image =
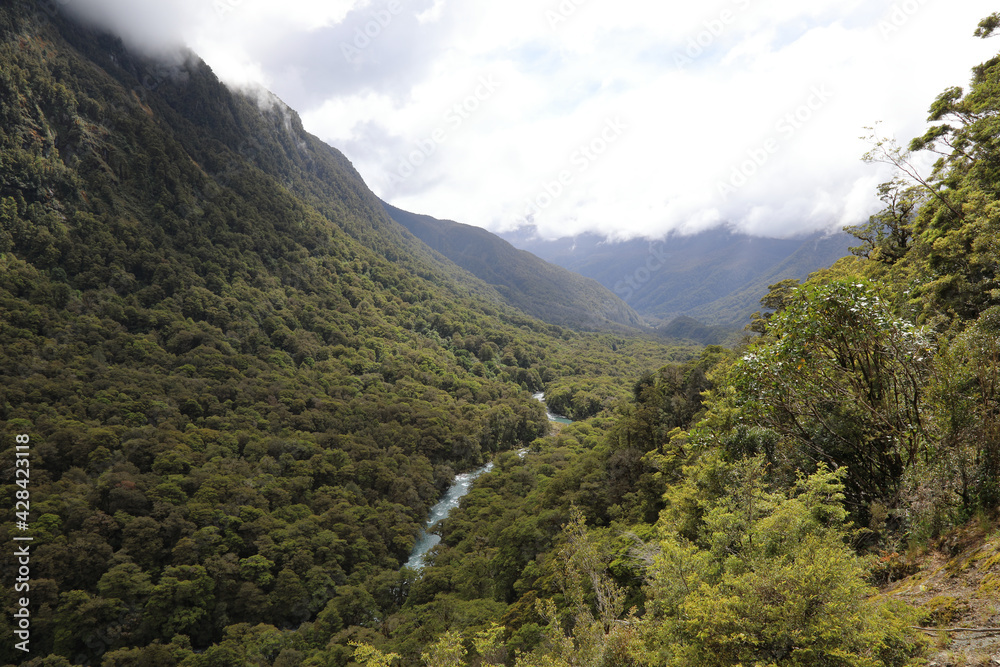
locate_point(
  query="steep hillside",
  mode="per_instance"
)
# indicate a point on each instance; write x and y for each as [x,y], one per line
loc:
[231,386]
[241,384]
[717,277]
[543,290]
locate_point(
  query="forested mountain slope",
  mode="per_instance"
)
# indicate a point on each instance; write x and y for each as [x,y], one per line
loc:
[546,291]
[243,384]
[744,508]
[239,385]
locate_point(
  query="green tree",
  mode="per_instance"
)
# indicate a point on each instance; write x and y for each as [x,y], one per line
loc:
[600,634]
[952,267]
[369,656]
[181,602]
[960,472]
[774,301]
[842,378]
[447,651]
[888,235]
[771,581]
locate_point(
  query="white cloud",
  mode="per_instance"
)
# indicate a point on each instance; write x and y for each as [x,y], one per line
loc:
[432,14]
[702,87]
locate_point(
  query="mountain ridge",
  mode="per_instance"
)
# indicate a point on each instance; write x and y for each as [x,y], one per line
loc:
[539,288]
[717,277]
[244,384]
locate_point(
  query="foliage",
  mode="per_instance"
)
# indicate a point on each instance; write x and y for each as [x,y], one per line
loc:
[245,386]
[841,377]
[370,656]
[958,474]
[888,235]
[601,633]
[771,580]
[945,277]
[774,301]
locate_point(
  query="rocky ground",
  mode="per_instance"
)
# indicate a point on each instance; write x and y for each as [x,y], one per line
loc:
[957,588]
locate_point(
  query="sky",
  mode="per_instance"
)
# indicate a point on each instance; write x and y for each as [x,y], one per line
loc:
[625,118]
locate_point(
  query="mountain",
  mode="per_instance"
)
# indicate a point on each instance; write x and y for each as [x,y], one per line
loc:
[543,290]
[231,387]
[688,328]
[238,384]
[716,276]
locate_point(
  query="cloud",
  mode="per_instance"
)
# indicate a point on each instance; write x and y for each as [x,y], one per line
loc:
[248,28]
[153,28]
[738,112]
[704,90]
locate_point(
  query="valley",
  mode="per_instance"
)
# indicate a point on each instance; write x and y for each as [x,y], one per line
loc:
[256,396]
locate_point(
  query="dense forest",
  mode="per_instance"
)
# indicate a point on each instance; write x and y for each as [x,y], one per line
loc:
[245,385]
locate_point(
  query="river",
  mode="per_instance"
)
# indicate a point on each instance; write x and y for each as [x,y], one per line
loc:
[426,540]
[540,396]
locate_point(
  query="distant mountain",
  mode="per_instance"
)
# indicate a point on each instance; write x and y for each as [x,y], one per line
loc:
[546,291]
[688,328]
[717,276]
